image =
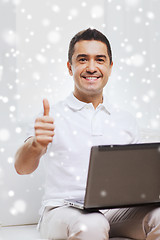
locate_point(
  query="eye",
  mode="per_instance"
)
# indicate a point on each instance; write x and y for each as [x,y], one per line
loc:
[100,60]
[82,60]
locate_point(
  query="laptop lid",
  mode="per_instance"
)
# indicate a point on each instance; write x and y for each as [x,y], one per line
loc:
[123,175]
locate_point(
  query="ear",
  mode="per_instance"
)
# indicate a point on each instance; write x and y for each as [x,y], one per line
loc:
[111,65]
[69,66]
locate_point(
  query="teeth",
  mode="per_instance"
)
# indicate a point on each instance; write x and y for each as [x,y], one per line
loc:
[91,78]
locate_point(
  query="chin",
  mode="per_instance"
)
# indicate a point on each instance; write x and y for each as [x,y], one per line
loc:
[92,92]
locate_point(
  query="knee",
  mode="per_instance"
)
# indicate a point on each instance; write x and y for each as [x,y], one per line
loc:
[93,221]
[152,220]
[154,216]
[91,226]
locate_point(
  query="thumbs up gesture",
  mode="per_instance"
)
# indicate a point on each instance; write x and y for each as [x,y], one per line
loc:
[44,126]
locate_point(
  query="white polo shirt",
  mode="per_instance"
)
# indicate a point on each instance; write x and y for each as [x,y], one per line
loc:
[78,126]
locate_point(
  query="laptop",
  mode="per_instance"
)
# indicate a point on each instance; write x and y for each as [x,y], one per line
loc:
[121,176]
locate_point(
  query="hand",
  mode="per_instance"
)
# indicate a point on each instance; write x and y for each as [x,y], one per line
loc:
[44,126]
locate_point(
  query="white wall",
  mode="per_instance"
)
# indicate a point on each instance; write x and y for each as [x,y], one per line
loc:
[34,38]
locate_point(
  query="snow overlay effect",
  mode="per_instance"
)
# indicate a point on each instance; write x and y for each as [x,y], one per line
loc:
[34,39]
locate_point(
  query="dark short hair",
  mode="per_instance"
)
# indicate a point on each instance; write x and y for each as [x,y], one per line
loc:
[89,34]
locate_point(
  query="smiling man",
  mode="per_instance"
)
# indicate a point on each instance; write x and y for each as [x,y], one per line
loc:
[85,118]
[90,67]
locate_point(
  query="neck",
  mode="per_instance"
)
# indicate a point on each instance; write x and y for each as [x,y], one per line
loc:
[95,99]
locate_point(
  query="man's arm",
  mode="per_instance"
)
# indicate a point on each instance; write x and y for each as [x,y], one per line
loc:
[28,155]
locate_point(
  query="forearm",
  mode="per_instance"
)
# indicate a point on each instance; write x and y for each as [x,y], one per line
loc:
[28,156]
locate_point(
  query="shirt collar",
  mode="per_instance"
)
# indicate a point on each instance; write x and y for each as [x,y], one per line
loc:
[76,104]
[106,104]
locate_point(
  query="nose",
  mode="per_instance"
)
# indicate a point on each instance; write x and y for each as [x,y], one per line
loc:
[91,67]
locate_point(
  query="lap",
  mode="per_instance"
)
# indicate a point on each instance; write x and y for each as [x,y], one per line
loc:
[124,222]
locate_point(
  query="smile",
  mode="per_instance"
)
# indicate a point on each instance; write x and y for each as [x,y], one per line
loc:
[91,78]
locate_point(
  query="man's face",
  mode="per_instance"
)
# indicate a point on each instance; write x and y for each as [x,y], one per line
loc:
[90,67]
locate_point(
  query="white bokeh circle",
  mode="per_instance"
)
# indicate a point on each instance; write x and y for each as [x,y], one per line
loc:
[4,134]
[97,11]
[53,37]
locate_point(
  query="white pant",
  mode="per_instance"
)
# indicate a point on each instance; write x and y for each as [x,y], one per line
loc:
[140,223]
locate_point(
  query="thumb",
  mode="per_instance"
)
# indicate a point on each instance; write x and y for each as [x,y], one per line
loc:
[46,107]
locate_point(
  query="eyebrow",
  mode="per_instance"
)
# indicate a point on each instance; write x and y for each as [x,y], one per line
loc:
[101,56]
[85,55]
[81,55]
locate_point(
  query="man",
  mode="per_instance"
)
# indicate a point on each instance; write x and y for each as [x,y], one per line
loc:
[64,136]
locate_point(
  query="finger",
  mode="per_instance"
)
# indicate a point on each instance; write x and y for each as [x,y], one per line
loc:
[44,133]
[45,119]
[46,107]
[44,126]
[44,140]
